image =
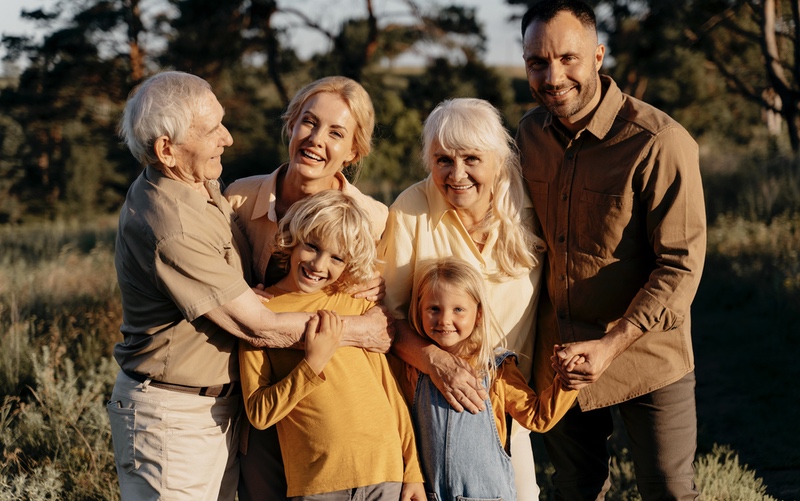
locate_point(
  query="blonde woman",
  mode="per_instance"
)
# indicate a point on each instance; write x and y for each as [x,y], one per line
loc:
[329,126]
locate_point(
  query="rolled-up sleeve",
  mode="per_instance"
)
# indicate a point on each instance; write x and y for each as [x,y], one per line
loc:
[672,198]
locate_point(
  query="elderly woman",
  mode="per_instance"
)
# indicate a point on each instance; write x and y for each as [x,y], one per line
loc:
[329,126]
[472,206]
[185,301]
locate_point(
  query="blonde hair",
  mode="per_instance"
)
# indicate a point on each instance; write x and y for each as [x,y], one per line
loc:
[356,98]
[330,217]
[461,275]
[474,124]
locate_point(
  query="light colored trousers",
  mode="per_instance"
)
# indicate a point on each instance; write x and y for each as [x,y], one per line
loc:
[173,445]
[523,463]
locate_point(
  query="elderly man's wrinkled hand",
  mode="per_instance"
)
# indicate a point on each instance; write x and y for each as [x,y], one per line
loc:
[380,330]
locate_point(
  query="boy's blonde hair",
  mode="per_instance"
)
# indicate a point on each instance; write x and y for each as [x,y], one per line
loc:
[461,275]
[329,217]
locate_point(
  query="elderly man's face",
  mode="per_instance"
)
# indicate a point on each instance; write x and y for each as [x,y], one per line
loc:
[199,157]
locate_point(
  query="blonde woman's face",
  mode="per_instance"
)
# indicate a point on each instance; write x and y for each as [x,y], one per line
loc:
[322,138]
[448,316]
[464,177]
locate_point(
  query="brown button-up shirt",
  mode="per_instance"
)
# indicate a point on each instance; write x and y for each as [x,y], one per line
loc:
[621,209]
[177,258]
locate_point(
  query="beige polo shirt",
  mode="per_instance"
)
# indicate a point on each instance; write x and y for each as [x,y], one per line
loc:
[253,198]
[177,258]
[422,226]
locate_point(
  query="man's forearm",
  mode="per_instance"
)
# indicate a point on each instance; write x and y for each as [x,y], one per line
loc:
[247,318]
[621,336]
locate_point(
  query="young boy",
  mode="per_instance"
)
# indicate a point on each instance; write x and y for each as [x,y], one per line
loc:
[341,420]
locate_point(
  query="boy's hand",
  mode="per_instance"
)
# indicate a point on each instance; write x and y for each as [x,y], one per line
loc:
[323,334]
[413,492]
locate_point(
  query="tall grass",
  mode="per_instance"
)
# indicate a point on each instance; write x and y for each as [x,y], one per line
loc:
[59,317]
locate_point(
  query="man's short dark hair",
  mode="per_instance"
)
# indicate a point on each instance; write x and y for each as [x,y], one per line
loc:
[546,10]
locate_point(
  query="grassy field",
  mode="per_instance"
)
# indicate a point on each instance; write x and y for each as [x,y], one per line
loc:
[60,315]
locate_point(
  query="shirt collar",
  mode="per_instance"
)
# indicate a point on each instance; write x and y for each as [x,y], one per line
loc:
[606,112]
[267,194]
[178,189]
[436,202]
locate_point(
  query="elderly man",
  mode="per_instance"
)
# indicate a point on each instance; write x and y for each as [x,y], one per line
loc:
[185,300]
[616,187]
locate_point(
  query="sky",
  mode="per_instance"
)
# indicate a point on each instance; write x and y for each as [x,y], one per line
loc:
[503,47]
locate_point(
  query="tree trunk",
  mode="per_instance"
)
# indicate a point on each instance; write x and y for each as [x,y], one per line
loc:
[134,21]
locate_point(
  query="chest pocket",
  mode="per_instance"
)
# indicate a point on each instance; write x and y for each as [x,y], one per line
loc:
[602,221]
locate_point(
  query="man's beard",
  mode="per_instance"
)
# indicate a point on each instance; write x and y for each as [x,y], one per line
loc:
[586,91]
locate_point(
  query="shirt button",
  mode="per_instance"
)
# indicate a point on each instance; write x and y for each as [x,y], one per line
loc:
[563,196]
[570,155]
[562,277]
[562,315]
[561,238]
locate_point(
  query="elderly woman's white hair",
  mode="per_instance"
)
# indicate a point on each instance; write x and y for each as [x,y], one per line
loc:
[474,124]
[162,105]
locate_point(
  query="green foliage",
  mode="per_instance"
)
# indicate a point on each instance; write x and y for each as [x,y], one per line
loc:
[42,484]
[63,430]
[722,478]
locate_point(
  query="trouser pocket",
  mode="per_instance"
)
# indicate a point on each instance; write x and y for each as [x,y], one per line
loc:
[123,423]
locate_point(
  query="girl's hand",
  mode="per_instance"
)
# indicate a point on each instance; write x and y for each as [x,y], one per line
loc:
[374,290]
[413,492]
[323,334]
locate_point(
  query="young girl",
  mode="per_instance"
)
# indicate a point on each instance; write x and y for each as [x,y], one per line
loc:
[463,454]
[343,426]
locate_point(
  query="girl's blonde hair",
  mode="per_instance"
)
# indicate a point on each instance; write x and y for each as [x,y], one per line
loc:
[474,124]
[356,98]
[461,275]
[329,217]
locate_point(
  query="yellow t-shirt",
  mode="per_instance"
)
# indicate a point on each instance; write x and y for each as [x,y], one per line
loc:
[349,428]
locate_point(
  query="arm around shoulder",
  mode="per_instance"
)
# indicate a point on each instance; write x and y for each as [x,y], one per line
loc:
[247,318]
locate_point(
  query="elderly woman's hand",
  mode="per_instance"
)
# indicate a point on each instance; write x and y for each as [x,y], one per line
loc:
[458,382]
[374,290]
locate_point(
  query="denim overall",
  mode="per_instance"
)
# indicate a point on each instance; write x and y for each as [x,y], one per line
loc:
[462,454]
